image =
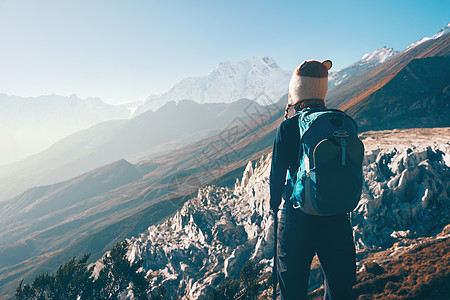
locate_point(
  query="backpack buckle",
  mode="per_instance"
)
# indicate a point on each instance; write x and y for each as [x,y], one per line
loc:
[341,134]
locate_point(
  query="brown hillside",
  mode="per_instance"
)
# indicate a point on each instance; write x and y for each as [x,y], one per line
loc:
[417,96]
[423,273]
[353,91]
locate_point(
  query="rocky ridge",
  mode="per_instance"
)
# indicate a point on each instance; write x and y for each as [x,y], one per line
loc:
[367,62]
[405,198]
[210,236]
[440,33]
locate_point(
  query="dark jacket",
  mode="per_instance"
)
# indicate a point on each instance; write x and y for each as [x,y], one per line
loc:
[285,157]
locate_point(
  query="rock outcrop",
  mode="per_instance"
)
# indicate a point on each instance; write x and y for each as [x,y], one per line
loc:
[405,196]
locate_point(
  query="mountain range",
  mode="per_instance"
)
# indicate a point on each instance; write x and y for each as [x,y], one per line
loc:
[138,138]
[30,125]
[144,136]
[87,213]
[228,82]
[409,90]
[92,218]
[367,62]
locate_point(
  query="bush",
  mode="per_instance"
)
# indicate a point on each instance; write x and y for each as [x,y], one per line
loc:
[74,280]
[246,287]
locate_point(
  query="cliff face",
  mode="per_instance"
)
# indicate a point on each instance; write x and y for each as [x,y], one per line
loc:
[405,198]
[418,94]
[406,189]
[211,236]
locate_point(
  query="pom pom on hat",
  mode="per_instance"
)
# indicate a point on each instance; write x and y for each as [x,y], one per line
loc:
[309,81]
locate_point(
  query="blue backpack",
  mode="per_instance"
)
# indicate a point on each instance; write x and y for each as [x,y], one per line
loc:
[329,178]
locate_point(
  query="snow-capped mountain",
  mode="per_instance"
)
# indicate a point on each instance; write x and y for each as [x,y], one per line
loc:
[229,82]
[405,196]
[367,62]
[29,125]
[406,185]
[371,60]
[440,33]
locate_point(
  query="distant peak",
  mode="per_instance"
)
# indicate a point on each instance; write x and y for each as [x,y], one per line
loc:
[267,59]
[380,55]
[229,81]
[440,33]
[270,62]
[94,100]
[264,60]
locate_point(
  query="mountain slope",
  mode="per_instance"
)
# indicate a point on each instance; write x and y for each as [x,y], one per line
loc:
[168,180]
[42,208]
[413,269]
[147,135]
[367,62]
[369,81]
[378,57]
[418,94]
[124,211]
[228,82]
[30,125]
[404,196]
[372,88]
[440,33]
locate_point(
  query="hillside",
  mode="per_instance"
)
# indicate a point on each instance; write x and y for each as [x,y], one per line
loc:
[404,200]
[91,221]
[148,135]
[367,62]
[411,84]
[406,173]
[418,94]
[411,269]
[29,125]
[231,226]
[351,92]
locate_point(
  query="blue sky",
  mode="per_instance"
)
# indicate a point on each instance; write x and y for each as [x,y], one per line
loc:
[126,50]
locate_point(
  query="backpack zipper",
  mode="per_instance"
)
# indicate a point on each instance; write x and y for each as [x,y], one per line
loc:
[343,147]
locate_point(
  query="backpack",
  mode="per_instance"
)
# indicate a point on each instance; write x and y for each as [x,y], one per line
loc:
[329,177]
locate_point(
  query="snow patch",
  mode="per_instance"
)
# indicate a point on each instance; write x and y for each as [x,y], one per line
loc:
[229,82]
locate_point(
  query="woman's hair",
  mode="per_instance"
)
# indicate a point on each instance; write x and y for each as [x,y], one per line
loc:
[311,103]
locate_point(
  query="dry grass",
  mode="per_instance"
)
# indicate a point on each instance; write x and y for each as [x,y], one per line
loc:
[421,274]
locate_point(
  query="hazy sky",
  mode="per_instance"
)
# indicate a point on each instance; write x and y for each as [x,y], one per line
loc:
[126,50]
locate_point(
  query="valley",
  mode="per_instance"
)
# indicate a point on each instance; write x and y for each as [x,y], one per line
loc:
[187,184]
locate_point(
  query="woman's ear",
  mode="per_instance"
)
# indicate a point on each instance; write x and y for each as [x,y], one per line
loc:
[297,71]
[327,63]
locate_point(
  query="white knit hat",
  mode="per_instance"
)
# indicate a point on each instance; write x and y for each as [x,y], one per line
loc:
[309,81]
